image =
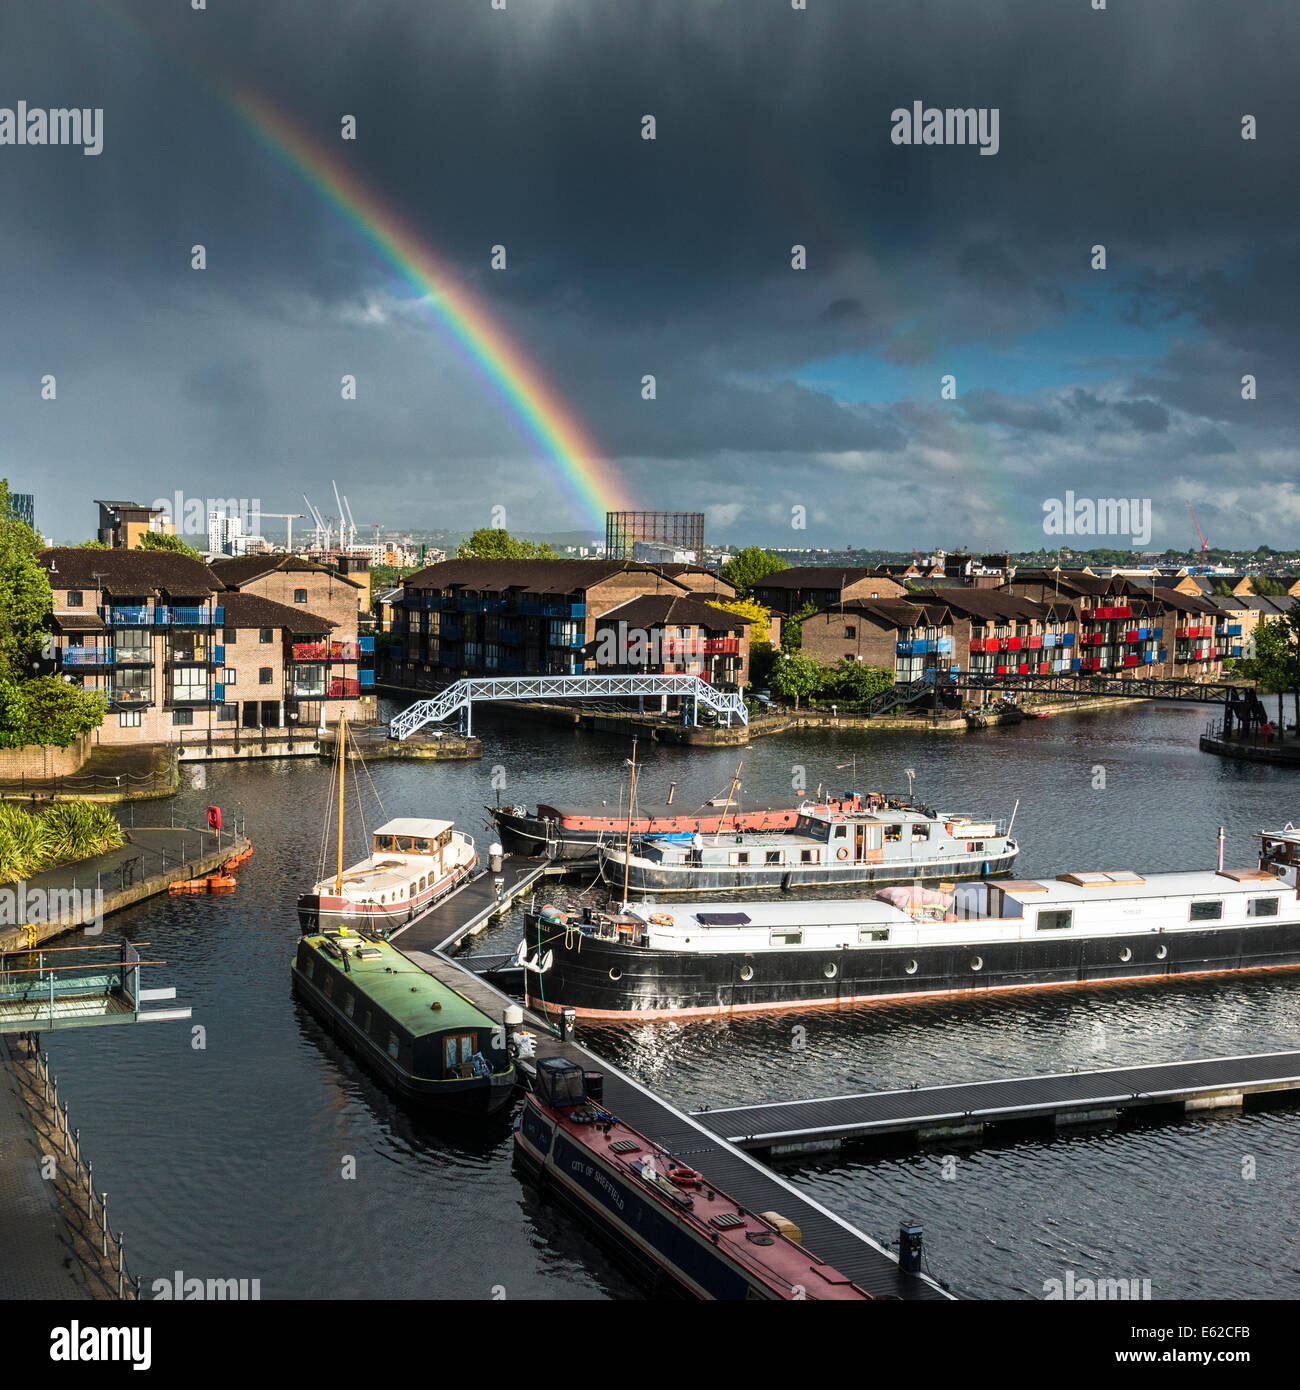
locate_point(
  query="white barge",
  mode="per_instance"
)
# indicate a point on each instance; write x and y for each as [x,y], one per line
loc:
[694,957]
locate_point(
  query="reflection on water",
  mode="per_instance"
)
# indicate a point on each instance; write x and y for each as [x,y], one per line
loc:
[225,1153]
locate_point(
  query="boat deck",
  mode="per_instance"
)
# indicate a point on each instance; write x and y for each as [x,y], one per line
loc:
[738,1174]
[1062,1098]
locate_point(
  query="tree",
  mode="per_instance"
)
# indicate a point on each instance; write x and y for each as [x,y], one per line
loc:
[759,617]
[1275,667]
[92,544]
[797,676]
[749,567]
[792,628]
[47,711]
[157,540]
[855,683]
[25,597]
[488,543]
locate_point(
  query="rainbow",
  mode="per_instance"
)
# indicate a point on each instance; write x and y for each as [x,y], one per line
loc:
[572,456]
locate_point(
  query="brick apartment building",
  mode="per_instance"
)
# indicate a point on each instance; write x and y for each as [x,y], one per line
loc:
[684,636]
[825,586]
[519,617]
[175,650]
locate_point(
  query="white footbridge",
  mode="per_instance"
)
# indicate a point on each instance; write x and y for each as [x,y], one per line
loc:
[463,694]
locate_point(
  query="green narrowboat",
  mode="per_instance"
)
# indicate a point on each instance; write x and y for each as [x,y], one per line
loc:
[424,1039]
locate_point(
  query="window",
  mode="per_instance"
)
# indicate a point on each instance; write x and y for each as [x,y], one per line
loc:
[920,832]
[264,675]
[228,676]
[739,858]
[189,683]
[129,719]
[850,630]
[893,833]
[265,635]
[809,856]
[866,935]
[300,595]
[227,714]
[351,1006]
[365,1024]
[182,716]
[457,1049]
[229,636]
[74,598]
[393,1045]
[1261,907]
[1208,910]
[1055,919]
[772,856]
[787,936]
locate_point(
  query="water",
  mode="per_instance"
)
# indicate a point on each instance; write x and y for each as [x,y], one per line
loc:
[229,1159]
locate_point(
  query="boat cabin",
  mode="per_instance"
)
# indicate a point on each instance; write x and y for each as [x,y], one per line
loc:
[413,835]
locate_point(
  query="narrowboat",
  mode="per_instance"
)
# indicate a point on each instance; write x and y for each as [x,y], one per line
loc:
[424,1040]
[676,1229]
[573,831]
[907,942]
[824,848]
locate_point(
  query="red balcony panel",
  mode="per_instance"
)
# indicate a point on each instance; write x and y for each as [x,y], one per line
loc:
[1044,667]
[1131,659]
[341,689]
[1001,671]
[1035,643]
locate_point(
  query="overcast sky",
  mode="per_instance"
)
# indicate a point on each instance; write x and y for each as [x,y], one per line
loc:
[777,388]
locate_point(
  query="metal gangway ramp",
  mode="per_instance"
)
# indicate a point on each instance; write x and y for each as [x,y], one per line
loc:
[463,694]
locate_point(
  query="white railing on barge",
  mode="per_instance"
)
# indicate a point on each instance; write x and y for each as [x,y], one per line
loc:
[463,694]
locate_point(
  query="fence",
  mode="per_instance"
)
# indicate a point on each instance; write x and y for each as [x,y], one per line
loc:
[83,1177]
[88,783]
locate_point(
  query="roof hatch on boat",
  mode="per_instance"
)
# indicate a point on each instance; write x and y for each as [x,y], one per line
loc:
[1101,880]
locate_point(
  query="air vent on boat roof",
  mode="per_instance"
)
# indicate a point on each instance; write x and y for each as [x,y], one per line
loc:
[368,953]
[1098,880]
[725,1219]
[625,1146]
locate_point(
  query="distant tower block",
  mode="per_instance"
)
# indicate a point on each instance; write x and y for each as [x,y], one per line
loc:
[669,537]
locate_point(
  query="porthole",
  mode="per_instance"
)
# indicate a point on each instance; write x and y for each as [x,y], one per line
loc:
[1161,952]
[977,963]
[830,970]
[1126,955]
[616,974]
[911,967]
[746,972]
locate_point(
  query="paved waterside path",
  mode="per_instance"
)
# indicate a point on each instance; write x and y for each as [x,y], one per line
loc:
[39,1257]
[153,858]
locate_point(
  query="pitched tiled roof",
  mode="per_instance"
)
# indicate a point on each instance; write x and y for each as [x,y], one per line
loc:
[252,610]
[127,571]
[237,570]
[984,603]
[818,577]
[656,610]
[531,576]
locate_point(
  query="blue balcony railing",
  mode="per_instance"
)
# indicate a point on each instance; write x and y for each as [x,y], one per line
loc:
[218,691]
[366,678]
[513,635]
[366,642]
[86,656]
[185,616]
[452,630]
[141,615]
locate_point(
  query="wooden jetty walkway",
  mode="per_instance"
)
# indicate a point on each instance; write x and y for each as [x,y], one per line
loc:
[427,939]
[973,1108]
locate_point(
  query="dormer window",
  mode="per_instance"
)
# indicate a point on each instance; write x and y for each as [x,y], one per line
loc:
[74,598]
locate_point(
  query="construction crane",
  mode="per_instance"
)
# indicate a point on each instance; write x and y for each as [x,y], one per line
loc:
[323,530]
[288,518]
[1205,545]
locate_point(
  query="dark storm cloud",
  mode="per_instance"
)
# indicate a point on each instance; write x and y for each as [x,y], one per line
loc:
[670,257]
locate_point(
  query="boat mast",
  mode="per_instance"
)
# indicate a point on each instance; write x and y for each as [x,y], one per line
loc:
[735,782]
[627,848]
[343,761]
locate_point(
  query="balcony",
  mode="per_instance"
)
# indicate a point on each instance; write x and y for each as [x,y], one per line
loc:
[342,689]
[426,602]
[722,646]
[366,679]
[454,631]
[1034,643]
[512,636]
[79,658]
[131,616]
[1191,632]
[190,617]
[129,697]
[366,644]
[329,651]
[1102,615]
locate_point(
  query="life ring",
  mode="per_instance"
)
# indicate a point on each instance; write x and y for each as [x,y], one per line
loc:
[841,853]
[683,1177]
[661,919]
